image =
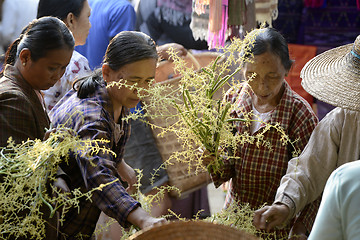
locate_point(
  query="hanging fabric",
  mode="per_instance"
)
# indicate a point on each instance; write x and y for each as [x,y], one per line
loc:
[237,12]
[174,12]
[200,6]
[314,3]
[237,17]
[266,11]
[200,19]
[217,23]
[224,14]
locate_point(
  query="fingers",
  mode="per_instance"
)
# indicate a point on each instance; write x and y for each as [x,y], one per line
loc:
[207,158]
[130,179]
[271,220]
[158,221]
[130,189]
[259,220]
[48,132]
[269,217]
[151,221]
[179,49]
[183,51]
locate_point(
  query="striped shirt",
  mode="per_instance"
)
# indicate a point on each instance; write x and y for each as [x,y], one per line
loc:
[92,118]
[257,170]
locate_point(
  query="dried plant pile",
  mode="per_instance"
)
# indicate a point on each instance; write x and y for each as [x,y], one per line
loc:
[26,170]
[240,216]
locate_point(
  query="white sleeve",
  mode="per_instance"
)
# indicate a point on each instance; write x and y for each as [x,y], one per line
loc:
[339,213]
[327,223]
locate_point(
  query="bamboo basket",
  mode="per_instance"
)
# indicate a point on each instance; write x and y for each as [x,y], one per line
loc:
[194,230]
[178,172]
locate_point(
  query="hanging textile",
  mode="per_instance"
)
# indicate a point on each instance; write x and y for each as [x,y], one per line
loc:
[237,17]
[200,6]
[237,12]
[174,12]
[266,11]
[314,3]
[217,23]
[200,20]
[220,15]
[209,21]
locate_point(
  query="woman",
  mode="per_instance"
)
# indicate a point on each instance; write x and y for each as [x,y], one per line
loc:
[75,14]
[34,62]
[256,171]
[96,112]
[332,77]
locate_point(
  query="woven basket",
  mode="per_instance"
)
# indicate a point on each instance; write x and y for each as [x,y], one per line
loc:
[165,70]
[191,230]
[178,172]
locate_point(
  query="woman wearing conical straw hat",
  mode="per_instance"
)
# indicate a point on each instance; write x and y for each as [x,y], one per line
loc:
[332,77]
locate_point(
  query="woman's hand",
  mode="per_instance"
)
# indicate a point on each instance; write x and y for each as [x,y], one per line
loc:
[207,158]
[178,49]
[48,132]
[60,186]
[62,133]
[269,217]
[128,175]
[139,217]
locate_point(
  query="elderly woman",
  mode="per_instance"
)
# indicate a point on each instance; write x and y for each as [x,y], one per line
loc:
[256,171]
[332,77]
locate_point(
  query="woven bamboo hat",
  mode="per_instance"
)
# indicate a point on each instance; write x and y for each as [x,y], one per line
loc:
[334,76]
[191,230]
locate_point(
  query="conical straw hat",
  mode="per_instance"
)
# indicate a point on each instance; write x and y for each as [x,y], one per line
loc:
[334,76]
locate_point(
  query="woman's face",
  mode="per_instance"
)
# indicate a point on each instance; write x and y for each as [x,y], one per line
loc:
[268,83]
[46,71]
[139,73]
[80,26]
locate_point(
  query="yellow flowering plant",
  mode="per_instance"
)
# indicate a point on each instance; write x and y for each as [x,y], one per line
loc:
[26,169]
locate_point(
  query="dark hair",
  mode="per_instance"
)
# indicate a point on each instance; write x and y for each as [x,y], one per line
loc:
[59,8]
[269,39]
[125,48]
[40,36]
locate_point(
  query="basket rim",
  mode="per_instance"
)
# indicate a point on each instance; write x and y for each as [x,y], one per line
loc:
[183,226]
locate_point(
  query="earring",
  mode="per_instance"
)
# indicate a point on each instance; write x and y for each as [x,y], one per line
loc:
[24,64]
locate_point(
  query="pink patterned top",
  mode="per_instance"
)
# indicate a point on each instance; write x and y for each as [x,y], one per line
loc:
[78,67]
